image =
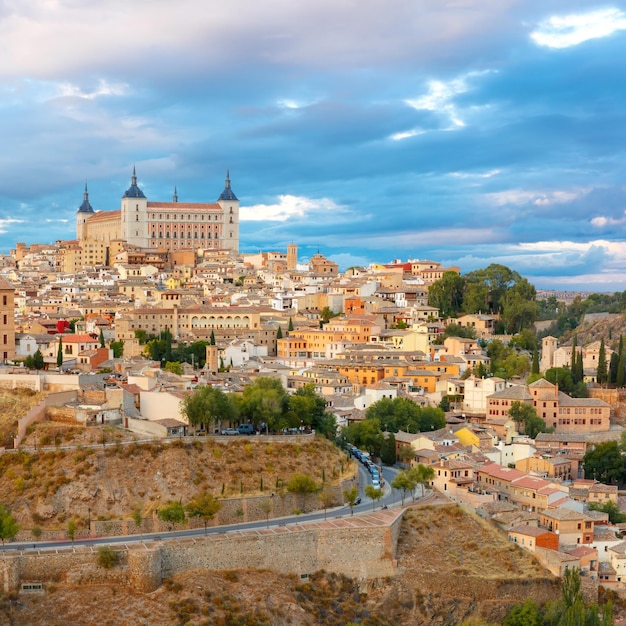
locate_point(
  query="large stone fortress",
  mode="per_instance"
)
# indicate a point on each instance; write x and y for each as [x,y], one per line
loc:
[163,225]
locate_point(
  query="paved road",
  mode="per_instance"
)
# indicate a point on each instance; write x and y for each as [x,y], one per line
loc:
[391,498]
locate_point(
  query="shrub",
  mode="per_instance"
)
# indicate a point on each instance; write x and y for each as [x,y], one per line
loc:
[107,557]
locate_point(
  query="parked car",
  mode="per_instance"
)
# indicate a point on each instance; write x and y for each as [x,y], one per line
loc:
[246,429]
[229,431]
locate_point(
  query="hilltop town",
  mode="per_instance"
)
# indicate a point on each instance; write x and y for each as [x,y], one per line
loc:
[106,337]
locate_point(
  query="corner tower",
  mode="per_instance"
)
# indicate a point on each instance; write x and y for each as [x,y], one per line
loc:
[230,217]
[134,215]
[85,211]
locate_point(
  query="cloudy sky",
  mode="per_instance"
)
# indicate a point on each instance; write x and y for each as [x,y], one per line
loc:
[465,131]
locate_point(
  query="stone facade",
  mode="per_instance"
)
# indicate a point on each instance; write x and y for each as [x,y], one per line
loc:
[360,547]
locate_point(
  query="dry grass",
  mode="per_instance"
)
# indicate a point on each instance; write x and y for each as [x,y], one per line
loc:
[42,487]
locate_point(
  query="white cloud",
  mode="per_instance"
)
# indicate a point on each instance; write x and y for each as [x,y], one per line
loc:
[602,221]
[288,206]
[488,174]
[5,222]
[440,98]
[407,134]
[571,30]
[104,88]
[537,198]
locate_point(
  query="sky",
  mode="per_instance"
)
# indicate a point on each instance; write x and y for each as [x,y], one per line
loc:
[467,132]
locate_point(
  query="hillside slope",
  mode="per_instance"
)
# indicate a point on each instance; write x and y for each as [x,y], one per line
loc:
[46,488]
[452,567]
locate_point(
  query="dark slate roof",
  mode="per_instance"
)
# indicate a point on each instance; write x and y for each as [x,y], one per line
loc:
[227,194]
[133,191]
[85,207]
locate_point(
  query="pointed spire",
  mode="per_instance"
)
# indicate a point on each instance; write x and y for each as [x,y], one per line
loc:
[175,199]
[133,191]
[85,207]
[227,194]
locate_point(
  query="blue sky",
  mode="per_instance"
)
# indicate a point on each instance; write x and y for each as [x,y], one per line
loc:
[465,131]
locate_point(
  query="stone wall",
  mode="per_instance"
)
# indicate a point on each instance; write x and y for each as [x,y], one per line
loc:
[359,547]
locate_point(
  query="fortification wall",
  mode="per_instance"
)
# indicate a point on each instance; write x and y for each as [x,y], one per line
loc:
[360,547]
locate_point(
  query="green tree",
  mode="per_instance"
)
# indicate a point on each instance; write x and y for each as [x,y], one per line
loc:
[375,493]
[102,343]
[326,497]
[310,408]
[279,333]
[602,373]
[118,348]
[388,449]
[398,414]
[519,308]
[446,294]
[35,361]
[208,405]
[535,365]
[405,481]
[174,367]
[604,462]
[613,365]
[290,325]
[366,435]
[526,415]
[266,507]
[107,557]
[526,614]
[302,484]
[212,338]
[265,401]
[205,506]
[138,519]
[351,496]
[326,314]
[8,525]
[610,507]
[60,353]
[621,366]
[424,475]
[71,530]
[172,513]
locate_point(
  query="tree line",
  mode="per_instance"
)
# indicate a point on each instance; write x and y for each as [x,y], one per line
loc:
[263,402]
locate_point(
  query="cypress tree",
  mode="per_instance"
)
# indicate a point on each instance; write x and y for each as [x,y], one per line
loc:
[580,370]
[290,327]
[613,368]
[572,366]
[60,353]
[619,379]
[279,333]
[602,373]
[212,340]
[101,338]
[535,365]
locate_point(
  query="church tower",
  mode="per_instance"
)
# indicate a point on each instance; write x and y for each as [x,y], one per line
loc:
[85,211]
[230,217]
[292,256]
[134,215]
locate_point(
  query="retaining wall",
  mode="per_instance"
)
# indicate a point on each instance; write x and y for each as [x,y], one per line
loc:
[360,547]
